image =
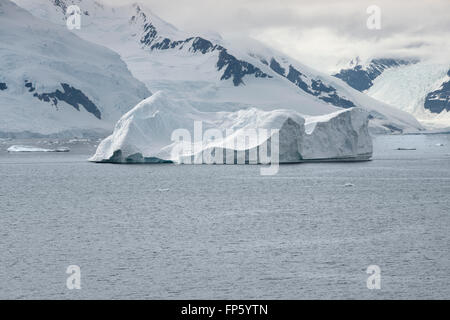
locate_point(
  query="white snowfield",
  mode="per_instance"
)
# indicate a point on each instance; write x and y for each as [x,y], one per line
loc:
[185,66]
[149,133]
[37,57]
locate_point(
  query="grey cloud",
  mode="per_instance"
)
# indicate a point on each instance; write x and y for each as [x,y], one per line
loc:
[341,24]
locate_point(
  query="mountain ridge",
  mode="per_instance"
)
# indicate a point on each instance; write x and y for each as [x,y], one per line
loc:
[214,73]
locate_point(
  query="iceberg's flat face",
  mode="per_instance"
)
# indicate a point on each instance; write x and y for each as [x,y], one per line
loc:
[152,131]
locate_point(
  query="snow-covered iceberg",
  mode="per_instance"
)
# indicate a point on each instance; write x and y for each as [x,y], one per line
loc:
[151,131]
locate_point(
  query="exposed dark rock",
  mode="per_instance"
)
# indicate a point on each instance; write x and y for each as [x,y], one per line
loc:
[150,34]
[61,4]
[337,101]
[29,85]
[362,79]
[295,77]
[439,100]
[202,45]
[3,86]
[275,66]
[70,95]
[237,69]
[356,78]
[318,89]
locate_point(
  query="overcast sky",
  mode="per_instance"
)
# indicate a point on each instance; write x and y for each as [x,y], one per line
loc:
[320,33]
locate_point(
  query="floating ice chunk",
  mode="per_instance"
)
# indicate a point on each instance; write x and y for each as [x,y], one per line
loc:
[349,185]
[19,148]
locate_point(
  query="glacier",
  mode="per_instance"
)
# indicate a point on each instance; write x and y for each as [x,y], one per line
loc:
[145,134]
[407,88]
[417,87]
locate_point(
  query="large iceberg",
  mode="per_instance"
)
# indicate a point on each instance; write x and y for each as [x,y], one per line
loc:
[161,129]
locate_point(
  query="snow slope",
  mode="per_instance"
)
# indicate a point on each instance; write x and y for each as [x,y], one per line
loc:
[54,83]
[217,74]
[146,134]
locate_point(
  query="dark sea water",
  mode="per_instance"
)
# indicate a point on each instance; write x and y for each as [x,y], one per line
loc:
[222,232]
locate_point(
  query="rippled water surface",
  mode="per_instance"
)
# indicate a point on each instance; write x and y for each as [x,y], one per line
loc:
[205,232]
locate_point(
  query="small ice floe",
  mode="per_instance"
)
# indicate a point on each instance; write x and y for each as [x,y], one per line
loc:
[404,149]
[79,140]
[18,148]
[439,144]
[163,190]
[348,184]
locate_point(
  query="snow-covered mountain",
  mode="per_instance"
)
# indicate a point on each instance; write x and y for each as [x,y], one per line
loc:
[53,82]
[214,73]
[420,88]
